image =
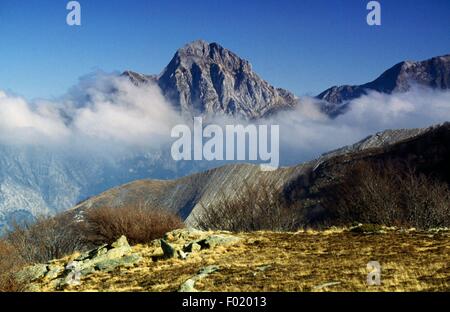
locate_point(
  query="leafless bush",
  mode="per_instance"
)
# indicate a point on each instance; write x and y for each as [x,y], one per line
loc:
[47,238]
[388,193]
[10,264]
[250,208]
[138,224]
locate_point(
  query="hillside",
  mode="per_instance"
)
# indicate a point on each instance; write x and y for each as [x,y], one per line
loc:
[332,260]
[424,149]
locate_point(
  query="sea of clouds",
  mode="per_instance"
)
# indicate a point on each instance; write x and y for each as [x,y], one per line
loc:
[106,113]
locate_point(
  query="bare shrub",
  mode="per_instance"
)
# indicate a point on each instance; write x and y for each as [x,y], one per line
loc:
[138,224]
[388,193]
[10,264]
[46,239]
[250,208]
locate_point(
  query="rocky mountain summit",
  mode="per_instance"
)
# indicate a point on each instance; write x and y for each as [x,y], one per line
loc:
[205,78]
[433,73]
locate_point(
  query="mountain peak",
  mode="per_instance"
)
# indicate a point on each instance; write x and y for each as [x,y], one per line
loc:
[206,78]
[202,53]
[433,73]
[197,47]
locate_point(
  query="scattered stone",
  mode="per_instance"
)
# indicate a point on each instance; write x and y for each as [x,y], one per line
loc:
[32,273]
[110,264]
[263,268]
[189,285]
[168,250]
[184,242]
[367,229]
[326,285]
[192,247]
[219,240]
[121,243]
[103,258]
[181,254]
[183,234]
[54,271]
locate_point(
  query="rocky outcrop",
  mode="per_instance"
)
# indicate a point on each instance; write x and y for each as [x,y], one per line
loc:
[63,274]
[205,78]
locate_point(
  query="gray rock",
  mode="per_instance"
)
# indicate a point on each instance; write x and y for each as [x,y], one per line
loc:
[32,273]
[219,240]
[122,242]
[192,247]
[104,258]
[205,78]
[168,250]
[189,285]
[183,234]
[54,271]
[111,264]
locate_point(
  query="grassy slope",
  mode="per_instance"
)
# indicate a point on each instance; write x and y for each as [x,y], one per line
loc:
[268,261]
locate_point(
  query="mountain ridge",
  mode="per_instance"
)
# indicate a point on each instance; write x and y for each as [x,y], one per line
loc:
[433,73]
[206,78]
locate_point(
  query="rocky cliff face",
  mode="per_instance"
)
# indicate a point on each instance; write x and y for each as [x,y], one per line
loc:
[433,73]
[205,78]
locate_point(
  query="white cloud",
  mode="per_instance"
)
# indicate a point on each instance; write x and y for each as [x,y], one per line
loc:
[307,133]
[107,110]
[103,107]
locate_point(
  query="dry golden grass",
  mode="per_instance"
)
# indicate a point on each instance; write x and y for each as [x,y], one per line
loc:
[268,261]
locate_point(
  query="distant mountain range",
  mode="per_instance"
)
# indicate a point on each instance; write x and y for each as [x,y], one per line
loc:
[433,73]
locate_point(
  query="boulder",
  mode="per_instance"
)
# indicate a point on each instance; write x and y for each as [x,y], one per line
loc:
[219,240]
[170,251]
[183,235]
[32,273]
[54,271]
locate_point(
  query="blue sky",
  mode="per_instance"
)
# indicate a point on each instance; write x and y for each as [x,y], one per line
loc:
[304,46]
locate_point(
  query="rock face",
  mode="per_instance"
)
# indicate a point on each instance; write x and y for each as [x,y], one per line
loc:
[434,73]
[205,78]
